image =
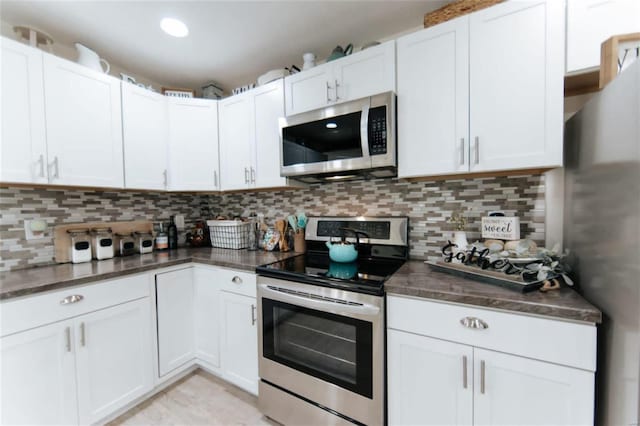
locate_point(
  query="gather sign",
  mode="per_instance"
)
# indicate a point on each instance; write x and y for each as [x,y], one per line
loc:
[501,228]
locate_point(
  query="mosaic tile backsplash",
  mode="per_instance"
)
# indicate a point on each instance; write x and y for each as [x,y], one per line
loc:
[427,204]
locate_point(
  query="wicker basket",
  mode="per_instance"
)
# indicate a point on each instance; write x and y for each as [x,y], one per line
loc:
[229,234]
[455,9]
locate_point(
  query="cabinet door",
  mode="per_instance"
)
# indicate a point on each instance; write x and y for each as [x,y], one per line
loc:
[23,145]
[516,85]
[236,133]
[430,381]
[591,22]
[114,358]
[433,100]
[512,390]
[144,122]
[176,337]
[193,145]
[239,340]
[365,73]
[310,89]
[38,376]
[84,125]
[269,108]
[207,315]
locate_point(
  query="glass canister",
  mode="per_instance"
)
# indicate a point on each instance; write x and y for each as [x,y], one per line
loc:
[102,243]
[80,249]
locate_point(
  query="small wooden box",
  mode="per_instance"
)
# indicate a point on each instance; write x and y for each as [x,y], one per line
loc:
[178,93]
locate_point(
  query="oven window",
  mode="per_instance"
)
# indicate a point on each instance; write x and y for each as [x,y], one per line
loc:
[336,138]
[330,347]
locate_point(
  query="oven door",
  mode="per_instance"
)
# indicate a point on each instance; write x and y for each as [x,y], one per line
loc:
[324,345]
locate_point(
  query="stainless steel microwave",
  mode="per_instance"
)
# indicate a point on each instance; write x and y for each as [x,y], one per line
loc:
[356,139]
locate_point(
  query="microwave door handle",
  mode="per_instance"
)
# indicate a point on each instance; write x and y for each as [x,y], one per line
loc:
[319,304]
[364,131]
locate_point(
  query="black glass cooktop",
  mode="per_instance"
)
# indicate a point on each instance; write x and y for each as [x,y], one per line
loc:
[365,275]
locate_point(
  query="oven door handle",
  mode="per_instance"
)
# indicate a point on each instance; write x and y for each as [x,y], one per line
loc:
[301,300]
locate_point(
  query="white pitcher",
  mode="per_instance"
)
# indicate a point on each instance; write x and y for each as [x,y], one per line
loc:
[89,58]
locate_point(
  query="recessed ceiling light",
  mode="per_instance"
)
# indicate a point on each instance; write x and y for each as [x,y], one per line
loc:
[174,27]
[331,125]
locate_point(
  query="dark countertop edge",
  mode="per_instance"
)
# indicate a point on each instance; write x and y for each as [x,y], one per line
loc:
[88,279]
[551,312]
[522,307]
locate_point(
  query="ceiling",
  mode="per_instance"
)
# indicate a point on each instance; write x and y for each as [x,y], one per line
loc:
[231,42]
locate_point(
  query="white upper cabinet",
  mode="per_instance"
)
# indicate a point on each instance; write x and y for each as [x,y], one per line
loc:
[433,100]
[250,138]
[235,114]
[145,131]
[516,80]
[310,89]
[193,145]
[23,146]
[361,74]
[591,22]
[84,125]
[269,108]
[365,73]
[483,92]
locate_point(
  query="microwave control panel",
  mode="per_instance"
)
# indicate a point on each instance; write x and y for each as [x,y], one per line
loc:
[377,132]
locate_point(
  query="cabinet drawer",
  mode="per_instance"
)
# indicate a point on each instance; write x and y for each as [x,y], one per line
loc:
[237,282]
[37,310]
[555,341]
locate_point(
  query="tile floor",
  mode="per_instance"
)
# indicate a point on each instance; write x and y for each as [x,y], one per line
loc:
[198,399]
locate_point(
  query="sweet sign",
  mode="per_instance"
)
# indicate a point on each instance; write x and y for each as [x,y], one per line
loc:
[501,228]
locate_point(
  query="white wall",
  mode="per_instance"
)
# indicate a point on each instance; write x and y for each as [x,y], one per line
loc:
[69,52]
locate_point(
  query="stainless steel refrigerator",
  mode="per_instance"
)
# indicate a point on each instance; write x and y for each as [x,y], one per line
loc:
[602,230]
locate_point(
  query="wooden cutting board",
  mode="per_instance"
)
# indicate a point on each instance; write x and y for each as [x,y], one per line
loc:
[62,240]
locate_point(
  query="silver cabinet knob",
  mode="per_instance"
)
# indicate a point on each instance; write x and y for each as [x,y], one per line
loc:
[74,298]
[475,323]
[236,280]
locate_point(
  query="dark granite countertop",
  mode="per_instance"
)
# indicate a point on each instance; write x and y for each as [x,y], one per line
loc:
[415,278]
[38,279]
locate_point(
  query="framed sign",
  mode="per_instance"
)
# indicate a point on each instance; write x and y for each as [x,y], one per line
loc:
[501,228]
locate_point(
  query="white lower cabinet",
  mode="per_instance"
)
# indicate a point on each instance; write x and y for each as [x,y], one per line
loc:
[207,316]
[432,381]
[176,334]
[38,378]
[113,358]
[513,390]
[238,317]
[86,363]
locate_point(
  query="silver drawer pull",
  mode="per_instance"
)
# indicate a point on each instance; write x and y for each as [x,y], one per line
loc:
[473,322]
[74,298]
[236,280]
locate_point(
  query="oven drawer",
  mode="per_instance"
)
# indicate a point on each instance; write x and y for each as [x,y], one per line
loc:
[237,282]
[557,341]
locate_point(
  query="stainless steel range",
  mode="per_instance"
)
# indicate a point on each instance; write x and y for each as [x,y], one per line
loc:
[321,326]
